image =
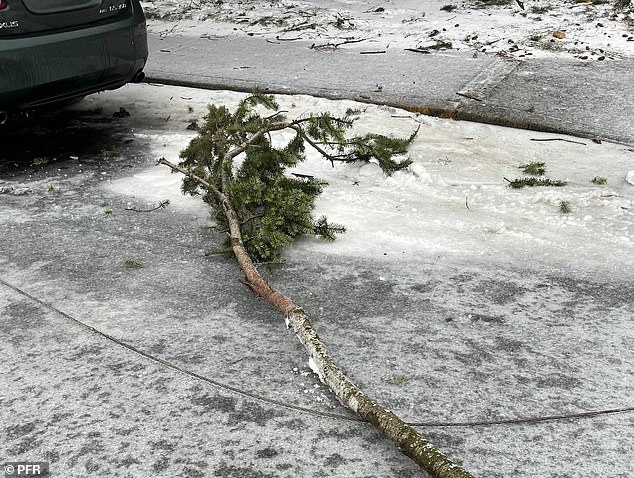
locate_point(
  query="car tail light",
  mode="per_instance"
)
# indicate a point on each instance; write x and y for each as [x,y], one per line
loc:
[3,4]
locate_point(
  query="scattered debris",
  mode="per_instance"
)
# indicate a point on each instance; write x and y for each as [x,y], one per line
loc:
[439,45]
[122,113]
[418,50]
[130,263]
[600,24]
[535,168]
[559,139]
[519,183]
[397,380]
[564,207]
[334,46]
[161,205]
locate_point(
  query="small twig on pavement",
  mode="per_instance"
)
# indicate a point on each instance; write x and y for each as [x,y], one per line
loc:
[418,50]
[558,139]
[407,117]
[165,33]
[279,38]
[333,46]
[161,205]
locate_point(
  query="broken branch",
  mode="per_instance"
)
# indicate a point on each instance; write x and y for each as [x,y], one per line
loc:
[261,185]
[321,362]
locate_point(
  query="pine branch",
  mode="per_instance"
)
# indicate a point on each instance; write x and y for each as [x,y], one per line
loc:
[314,144]
[321,362]
[254,137]
[260,185]
[519,183]
[283,208]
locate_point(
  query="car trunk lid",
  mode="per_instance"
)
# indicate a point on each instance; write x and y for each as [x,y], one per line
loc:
[46,7]
[27,17]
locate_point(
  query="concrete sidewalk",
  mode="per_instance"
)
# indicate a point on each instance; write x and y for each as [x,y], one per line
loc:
[566,96]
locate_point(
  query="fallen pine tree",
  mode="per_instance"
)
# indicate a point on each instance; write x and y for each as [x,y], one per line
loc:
[265,210]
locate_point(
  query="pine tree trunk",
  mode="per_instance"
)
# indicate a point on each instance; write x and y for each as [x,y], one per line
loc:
[320,361]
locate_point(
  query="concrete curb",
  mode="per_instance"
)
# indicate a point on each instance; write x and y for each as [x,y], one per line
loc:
[549,95]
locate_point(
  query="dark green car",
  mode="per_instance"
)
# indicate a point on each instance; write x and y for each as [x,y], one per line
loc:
[55,51]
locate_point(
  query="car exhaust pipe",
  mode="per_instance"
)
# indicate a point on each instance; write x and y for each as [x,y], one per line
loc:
[4,117]
[138,77]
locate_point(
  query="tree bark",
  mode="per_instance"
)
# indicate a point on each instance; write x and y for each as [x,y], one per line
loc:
[321,362]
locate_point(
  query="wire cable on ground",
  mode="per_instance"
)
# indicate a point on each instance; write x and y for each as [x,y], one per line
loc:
[255,396]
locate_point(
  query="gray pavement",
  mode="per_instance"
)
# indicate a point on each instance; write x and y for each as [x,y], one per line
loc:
[591,99]
[175,369]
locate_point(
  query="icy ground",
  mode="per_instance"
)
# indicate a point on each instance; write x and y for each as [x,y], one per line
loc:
[587,30]
[453,203]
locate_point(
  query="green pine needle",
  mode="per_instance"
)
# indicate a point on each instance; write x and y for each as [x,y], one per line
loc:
[397,380]
[534,168]
[130,263]
[519,183]
[564,207]
[273,208]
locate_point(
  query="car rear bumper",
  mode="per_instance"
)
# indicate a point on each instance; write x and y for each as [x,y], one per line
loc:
[43,69]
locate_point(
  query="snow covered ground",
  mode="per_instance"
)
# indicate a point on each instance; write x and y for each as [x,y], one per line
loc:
[459,167]
[453,203]
[587,30]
